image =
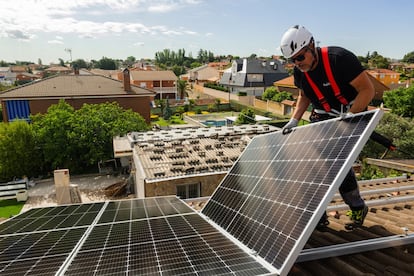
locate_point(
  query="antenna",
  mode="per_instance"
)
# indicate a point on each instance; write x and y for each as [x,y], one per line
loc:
[70,53]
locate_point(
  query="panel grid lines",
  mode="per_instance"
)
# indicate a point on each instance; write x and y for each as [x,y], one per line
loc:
[277,190]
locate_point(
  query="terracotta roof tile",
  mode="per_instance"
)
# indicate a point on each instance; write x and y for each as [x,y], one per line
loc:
[74,85]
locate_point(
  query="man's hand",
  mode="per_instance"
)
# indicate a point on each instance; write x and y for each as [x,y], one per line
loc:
[291,124]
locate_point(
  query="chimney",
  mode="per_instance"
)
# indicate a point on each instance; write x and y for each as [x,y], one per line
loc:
[127,80]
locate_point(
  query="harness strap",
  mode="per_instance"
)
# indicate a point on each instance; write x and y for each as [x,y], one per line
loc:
[334,85]
[318,93]
[328,71]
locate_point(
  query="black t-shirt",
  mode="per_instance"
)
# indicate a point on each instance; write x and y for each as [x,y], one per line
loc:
[345,67]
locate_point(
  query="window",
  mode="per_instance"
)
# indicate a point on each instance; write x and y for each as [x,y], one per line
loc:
[188,191]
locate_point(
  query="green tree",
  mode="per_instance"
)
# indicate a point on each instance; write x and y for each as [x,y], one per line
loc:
[77,140]
[399,130]
[269,93]
[375,60]
[107,64]
[96,125]
[246,116]
[182,88]
[80,63]
[130,61]
[409,58]
[18,156]
[401,101]
[167,111]
[281,96]
[178,70]
[55,137]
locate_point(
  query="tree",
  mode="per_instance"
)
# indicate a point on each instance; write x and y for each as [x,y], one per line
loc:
[246,116]
[182,88]
[107,64]
[79,139]
[281,96]
[269,93]
[96,125]
[80,63]
[167,111]
[399,130]
[18,156]
[61,62]
[178,70]
[55,137]
[409,58]
[401,101]
[374,60]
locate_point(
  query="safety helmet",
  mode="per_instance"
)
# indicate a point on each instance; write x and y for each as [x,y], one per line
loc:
[294,40]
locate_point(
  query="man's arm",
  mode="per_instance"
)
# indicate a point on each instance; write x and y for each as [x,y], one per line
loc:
[366,92]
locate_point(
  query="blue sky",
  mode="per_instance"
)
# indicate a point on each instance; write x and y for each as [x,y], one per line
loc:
[92,29]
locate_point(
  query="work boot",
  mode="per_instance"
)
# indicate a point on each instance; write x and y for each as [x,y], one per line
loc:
[357,216]
[323,222]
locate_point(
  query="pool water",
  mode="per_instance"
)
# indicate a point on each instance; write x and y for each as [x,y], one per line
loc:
[215,123]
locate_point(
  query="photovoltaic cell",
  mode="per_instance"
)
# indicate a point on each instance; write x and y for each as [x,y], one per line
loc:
[279,187]
[256,222]
[177,244]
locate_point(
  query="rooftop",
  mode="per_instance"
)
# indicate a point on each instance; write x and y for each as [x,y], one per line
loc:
[182,152]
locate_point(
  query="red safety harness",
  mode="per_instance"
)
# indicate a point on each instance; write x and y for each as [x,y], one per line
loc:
[334,85]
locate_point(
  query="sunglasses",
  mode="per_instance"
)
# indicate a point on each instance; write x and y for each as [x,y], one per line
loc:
[298,58]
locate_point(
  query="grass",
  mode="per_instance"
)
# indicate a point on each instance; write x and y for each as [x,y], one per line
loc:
[176,120]
[10,207]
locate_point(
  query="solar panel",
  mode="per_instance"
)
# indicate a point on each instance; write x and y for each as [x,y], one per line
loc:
[151,236]
[276,192]
[256,222]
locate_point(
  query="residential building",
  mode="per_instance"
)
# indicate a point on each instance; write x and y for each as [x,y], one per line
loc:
[386,76]
[252,76]
[7,77]
[202,74]
[187,162]
[77,89]
[164,83]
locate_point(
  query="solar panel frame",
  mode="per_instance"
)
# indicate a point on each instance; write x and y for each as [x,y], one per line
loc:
[268,178]
[246,228]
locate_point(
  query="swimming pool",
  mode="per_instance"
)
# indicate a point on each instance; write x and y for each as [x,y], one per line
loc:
[215,123]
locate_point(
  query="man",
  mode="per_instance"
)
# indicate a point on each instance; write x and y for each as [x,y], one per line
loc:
[334,82]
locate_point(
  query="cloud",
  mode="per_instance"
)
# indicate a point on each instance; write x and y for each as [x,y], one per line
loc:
[17,34]
[55,41]
[86,18]
[139,44]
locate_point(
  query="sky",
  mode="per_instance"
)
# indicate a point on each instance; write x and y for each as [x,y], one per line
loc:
[50,30]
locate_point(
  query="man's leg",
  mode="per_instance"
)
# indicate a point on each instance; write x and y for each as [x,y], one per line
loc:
[349,191]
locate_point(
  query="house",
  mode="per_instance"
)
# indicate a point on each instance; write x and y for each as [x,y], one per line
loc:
[202,74]
[386,76]
[162,82]
[37,97]
[59,70]
[26,77]
[252,76]
[187,162]
[7,77]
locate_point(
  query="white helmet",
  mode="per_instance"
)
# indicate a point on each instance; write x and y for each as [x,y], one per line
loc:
[294,40]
